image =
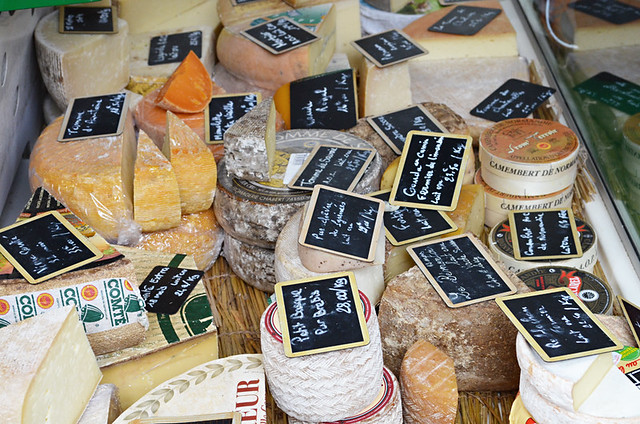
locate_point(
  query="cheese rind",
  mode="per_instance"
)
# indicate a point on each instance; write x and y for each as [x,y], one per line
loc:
[48,369]
[253,264]
[156,15]
[104,406]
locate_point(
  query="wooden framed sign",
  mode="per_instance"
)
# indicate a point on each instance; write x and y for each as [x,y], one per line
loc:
[544,234]
[465,20]
[321,315]
[632,314]
[95,116]
[393,127]
[45,246]
[388,48]
[404,225]
[223,111]
[611,11]
[343,223]
[87,20]
[325,101]
[613,91]
[557,324]
[333,166]
[165,289]
[513,99]
[241,2]
[222,418]
[279,35]
[460,269]
[431,170]
[172,48]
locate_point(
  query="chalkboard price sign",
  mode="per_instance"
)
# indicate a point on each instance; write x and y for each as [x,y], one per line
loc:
[461,270]
[45,246]
[404,225]
[280,35]
[632,314]
[239,2]
[343,223]
[165,289]
[224,111]
[544,234]
[333,166]
[613,91]
[514,99]
[172,48]
[87,20]
[222,418]
[388,48]
[557,324]
[608,10]
[393,127]
[96,116]
[321,315]
[431,170]
[465,20]
[326,101]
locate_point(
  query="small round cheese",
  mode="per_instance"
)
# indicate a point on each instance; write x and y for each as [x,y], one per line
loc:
[253,264]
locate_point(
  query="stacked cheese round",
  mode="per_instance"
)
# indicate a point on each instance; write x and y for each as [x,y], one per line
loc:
[386,409]
[501,246]
[326,386]
[529,157]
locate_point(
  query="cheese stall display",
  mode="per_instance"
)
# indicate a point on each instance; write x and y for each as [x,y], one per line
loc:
[252,212]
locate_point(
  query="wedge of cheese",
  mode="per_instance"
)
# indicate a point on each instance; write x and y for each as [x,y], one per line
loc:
[497,38]
[591,32]
[48,369]
[156,197]
[104,406]
[383,90]
[193,165]
[250,143]
[92,177]
[79,65]
[188,89]
[158,15]
[256,65]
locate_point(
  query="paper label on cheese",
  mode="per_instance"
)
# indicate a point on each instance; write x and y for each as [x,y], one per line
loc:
[296,160]
[629,364]
[102,304]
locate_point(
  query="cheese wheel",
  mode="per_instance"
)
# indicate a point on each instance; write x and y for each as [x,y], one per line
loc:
[288,265]
[306,387]
[81,65]
[386,409]
[255,212]
[253,264]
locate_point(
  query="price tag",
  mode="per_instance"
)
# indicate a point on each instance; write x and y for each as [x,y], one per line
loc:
[465,20]
[388,48]
[613,91]
[223,111]
[611,11]
[280,35]
[87,20]
[165,289]
[514,99]
[173,48]
[632,314]
[95,116]
[223,418]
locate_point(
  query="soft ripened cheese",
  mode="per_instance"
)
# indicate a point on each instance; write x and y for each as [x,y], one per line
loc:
[156,197]
[382,90]
[48,369]
[250,143]
[104,406]
[256,65]
[92,177]
[79,65]
[158,15]
[591,379]
[497,38]
[193,165]
[429,388]
[615,395]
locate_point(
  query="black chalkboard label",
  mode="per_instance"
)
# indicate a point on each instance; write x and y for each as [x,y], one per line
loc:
[393,127]
[461,270]
[240,2]
[326,101]
[172,48]
[344,223]
[279,35]
[97,116]
[221,418]
[514,99]
[544,234]
[608,10]
[321,315]
[632,314]
[431,170]
[557,324]
[333,166]
[166,288]
[465,20]
[87,20]
[452,2]
[404,225]
[388,48]
[224,111]
[45,246]
[613,91]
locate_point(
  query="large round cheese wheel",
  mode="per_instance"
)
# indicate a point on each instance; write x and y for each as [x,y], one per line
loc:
[478,337]
[253,264]
[255,212]
[308,387]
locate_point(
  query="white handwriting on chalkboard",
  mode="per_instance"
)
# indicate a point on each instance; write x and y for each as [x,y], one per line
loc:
[308,110]
[24,250]
[324,218]
[339,219]
[317,303]
[323,162]
[301,331]
[279,38]
[471,20]
[342,294]
[369,216]
[298,304]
